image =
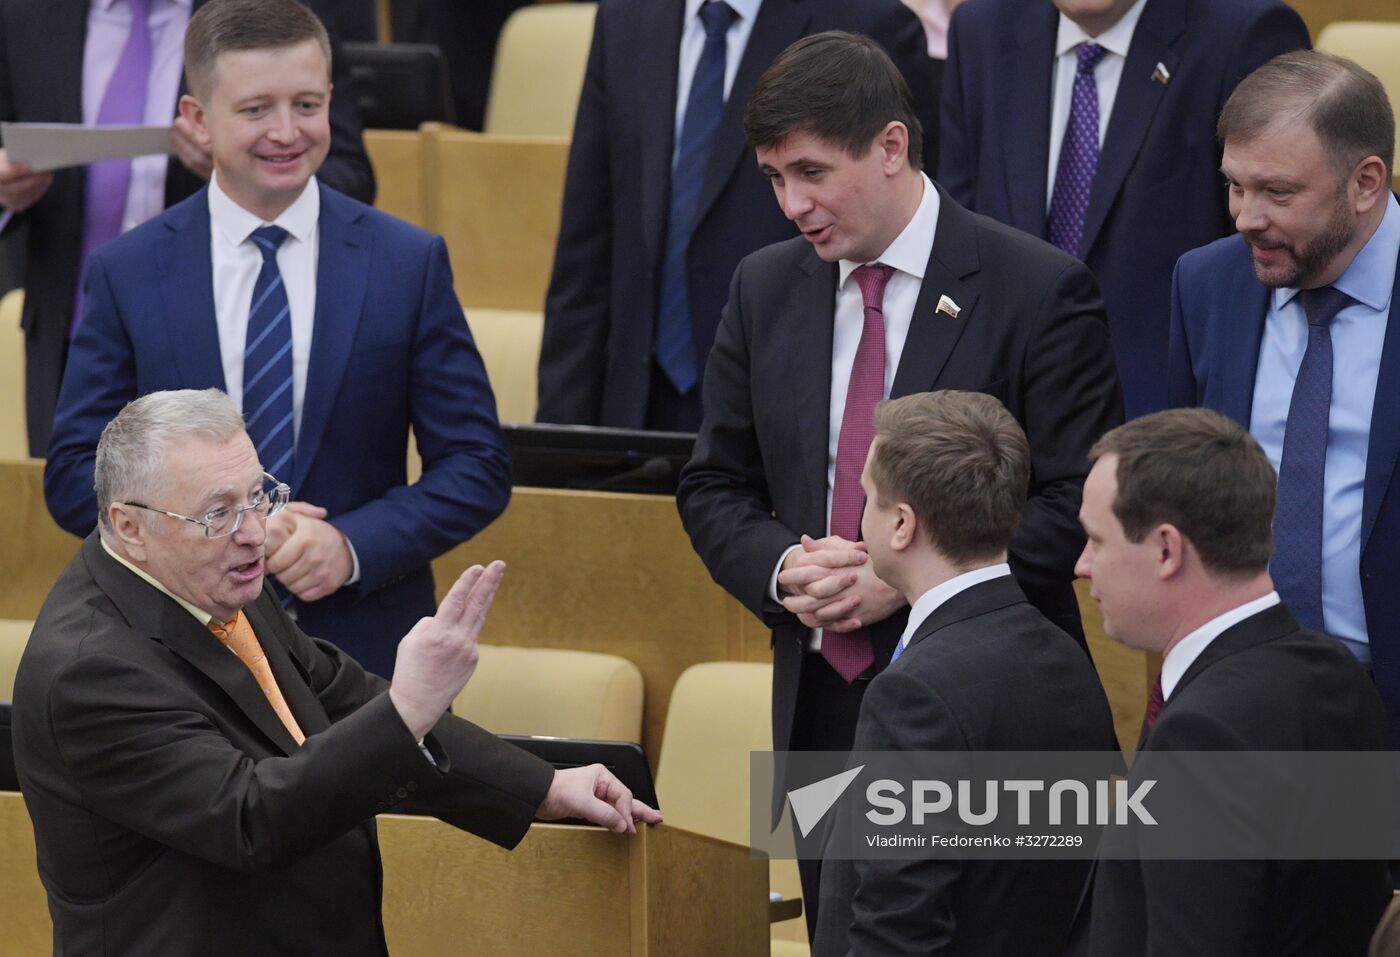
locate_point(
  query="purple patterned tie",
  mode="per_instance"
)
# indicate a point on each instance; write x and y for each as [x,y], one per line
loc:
[1079,155]
[123,104]
[850,653]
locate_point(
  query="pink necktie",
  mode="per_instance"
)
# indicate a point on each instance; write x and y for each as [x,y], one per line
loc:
[850,653]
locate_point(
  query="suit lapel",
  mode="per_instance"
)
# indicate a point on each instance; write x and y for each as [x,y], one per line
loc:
[1026,71]
[187,293]
[1246,307]
[293,680]
[341,276]
[811,320]
[661,24]
[1385,422]
[933,334]
[1133,108]
[779,23]
[160,618]
[66,24]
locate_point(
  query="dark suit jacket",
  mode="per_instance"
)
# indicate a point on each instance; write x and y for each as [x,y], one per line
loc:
[1218,313]
[390,349]
[174,814]
[1158,189]
[41,80]
[1031,332]
[600,314]
[984,672]
[1262,685]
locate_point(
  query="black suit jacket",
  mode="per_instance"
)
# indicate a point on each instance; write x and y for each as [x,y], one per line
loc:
[173,812]
[1157,192]
[1030,331]
[600,313]
[1263,685]
[41,80]
[984,672]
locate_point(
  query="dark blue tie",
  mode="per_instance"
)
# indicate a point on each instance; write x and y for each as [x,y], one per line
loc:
[1079,155]
[267,362]
[675,340]
[1297,563]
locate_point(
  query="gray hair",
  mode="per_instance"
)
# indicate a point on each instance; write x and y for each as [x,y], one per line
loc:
[131,452]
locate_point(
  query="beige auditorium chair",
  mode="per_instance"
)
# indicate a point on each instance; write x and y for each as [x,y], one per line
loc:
[13,636]
[720,711]
[509,343]
[548,691]
[14,443]
[538,73]
[1374,45]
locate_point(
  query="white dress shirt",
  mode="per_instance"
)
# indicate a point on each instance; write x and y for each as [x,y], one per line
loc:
[108,25]
[1115,41]
[237,261]
[693,43]
[909,255]
[933,599]
[1188,649]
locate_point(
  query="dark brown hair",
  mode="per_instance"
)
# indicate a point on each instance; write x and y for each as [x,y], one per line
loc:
[839,87]
[1345,105]
[1202,473]
[961,463]
[223,25]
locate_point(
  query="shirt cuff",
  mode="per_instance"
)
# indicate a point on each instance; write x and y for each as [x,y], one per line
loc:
[773,581]
[354,562]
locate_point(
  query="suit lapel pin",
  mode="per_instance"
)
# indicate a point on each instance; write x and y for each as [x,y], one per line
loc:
[949,306]
[1160,74]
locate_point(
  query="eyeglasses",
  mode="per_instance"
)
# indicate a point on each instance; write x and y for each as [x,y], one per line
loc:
[268,500]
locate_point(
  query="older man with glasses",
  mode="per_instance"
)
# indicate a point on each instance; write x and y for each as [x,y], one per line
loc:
[202,775]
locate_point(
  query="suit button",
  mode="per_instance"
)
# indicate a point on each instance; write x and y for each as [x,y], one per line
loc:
[403,793]
[412,785]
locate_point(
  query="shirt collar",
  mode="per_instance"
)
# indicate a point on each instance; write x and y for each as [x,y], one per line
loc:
[911,248]
[1188,649]
[746,9]
[931,600]
[105,6]
[203,616]
[1370,278]
[237,224]
[1116,39]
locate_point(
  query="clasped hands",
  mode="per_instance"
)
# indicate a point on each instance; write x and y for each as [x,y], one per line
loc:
[829,583]
[435,661]
[308,554]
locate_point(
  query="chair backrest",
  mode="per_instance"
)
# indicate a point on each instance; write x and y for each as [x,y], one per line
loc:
[538,73]
[397,158]
[14,441]
[549,691]
[720,711]
[14,635]
[1374,45]
[496,200]
[509,343]
[399,85]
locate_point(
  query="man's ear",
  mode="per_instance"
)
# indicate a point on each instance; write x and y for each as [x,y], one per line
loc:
[1171,548]
[1369,184]
[906,527]
[893,144]
[193,113]
[128,530]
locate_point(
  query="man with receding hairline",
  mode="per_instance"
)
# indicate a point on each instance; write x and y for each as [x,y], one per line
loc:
[1292,329]
[334,326]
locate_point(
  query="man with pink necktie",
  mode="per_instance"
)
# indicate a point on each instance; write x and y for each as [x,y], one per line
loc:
[891,289]
[108,62]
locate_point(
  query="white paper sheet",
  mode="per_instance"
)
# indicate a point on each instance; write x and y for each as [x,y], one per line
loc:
[45,146]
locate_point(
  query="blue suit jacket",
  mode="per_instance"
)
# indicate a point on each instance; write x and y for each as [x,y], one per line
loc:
[390,349]
[1218,313]
[1158,189]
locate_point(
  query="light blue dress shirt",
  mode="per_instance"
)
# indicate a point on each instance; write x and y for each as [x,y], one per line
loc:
[1358,333]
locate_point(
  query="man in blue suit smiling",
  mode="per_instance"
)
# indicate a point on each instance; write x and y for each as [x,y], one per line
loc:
[333,325]
[1285,328]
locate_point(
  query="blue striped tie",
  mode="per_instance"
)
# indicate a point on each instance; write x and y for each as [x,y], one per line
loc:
[675,340]
[267,361]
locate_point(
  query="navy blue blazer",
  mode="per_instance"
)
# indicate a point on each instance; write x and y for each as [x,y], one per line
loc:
[1217,323]
[1158,189]
[390,349]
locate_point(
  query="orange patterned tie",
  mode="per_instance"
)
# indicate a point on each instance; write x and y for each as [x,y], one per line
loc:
[238,636]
